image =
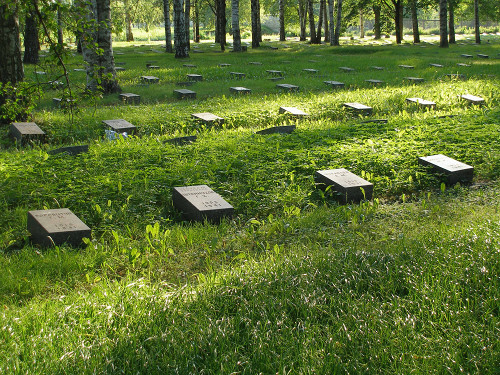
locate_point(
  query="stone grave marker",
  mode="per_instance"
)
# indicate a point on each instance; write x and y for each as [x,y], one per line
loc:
[150,79]
[181,141]
[24,132]
[414,79]
[335,84]
[358,108]
[184,94]
[199,202]
[240,90]
[374,81]
[454,170]
[119,53]
[255,63]
[121,126]
[130,98]
[283,129]
[189,65]
[483,56]
[208,118]
[473,99]
[377,67]
[466,56]
[312,71]
[346,184]
[223,65]
[151,62]
[275,72]
[346,69]
[237,75]
[274,79]
[292,111]
[464,65]
[406,66]
[70,150]
[436,65]
[456,76]
[194,77]
[56,226]
[153,67]
[287,87]
[421,102]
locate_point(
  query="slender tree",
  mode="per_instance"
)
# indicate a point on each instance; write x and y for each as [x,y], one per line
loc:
[187,18]
[312,31]
[451,21]
[302,10]
[128,21]
[336,35]
[31,42]
[196,36]
[60,39]
[181,48]
[168,32]
[414,21]
[332,24]
[320,20]
[361,24]
[255,15]
[476,21]
[221,22]
[235,18]
[443,29]
[282,20]
[376,23]
[11,65]
[325,18]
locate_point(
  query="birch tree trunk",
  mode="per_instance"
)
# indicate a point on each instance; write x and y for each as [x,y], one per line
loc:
[361,24]
[255,12]
[332,24]
[60,39]
[187,18]
[235,18]
[414,21]
[31,42]
[181,49]
[476,21]
[282,20]
[320,21]
[11,65]
[168,32]
[443,28]
[336,35]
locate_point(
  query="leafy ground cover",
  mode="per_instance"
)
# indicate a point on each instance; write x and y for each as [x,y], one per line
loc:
[294,282]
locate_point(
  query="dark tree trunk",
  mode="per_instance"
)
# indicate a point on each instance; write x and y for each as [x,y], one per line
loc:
[282,20]
[443,28]
[320,21]
[187,18]
[376,24]
[235,18]
[256,36]
[336,35]
[476,21]
[302,20]
[451,23]
[361,24]
[78,42]
[401,8]
[414,21]
[168,32]
[128,21]
[325,18]
[222,24]
[196,22]
[312,30]
[181,48]
[31,42]
[11,65]
[60,39]
[332,24]
[398,6]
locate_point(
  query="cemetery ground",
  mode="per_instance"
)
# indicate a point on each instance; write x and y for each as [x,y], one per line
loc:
[293,282]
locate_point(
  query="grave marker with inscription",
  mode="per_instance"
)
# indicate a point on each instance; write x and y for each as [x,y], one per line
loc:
[359,108]
[200,202]
[287,87]
[185,94]
[194,77]
[24,132]
[454,170]
[121,126]
[421,102]
[292,111]
[240,90]
[348,185]
[208,118]
[473,99]
[130,98]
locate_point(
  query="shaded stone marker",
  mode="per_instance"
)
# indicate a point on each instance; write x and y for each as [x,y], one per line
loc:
[312,71]
[421,102]
[184,94]
[194,77]
[283,129]
[237,75]
[181,141]
[377,67]
[275,72]
[466,56]
[483,56]
[374,81]
[359,108]
[150,79]
[334,84]
[287,87]
[274,79]
[255,63]
[406,66]
[150,63]
[292,111]
[349,186]
[240,90]
[153,67]
[24,132]
[436,65]
[473,99]
[454,170]
[119,69]
[208,118]
[456,76]
[223,65]
[346,69]
[120,126]
[199,202]
[464,65]
[130,98]
[56,226]
[189,65]
[414,79]
[70,150]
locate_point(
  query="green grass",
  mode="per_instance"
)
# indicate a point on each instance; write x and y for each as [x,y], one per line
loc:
[293,283]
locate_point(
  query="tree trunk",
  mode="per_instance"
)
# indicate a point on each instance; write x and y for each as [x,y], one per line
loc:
[332,24]
[476,21]
[97,48]
[221,19]
[60,39]
[401,8]
[11,65]
[196,21]
[443,28]
[282,20]
[376,24]
[235,17]
[181,48]
[187,18]
[168,32]
[451,23]
[336,35]
[31,42]
[255,11]
[397,25]
[302,19]
[325,18]
[320,21]
[414,21]
[361,24]
[128,21]
[312,30]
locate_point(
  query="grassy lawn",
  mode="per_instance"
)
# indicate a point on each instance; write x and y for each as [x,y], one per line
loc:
[292,283]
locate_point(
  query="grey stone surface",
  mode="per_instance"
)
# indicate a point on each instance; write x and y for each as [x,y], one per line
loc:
[346,69]
[208,118]
[284,129]
[377,67]
[184,94]
[194,77]
[275,72]
[406,66]
[121,126]
[421,102]
[466,56]
[119,68]
[335,84]
[346,184]
[473,99]
[150,79]
[255,63]
[292,111]
[200,202]
[414,79]
[240,90]
[70,150]
[237,75]
[224,65]
[482,56]
[454,170]
[24,132]
[358,108]
[374,81]
[287,87]
[463,65]
[189,65]
[436,65]
[56,226]
[153,67]
[312,71]
[130,98]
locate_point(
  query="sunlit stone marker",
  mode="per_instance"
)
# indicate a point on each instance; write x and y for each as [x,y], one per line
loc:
[312,71]
[436,65]
[275,72]
[121,126]
[335,84]
[463,65]
[421,102]
[130,98]
[208,118]
[199,202]
[194,77]
[255,63]
[240,90]
[150,79]
[466,56]
[350,187]
[346,69]
[414,79]
[374,81]
[453,169]
[287,87]
[56,226]
[292,111]
[284,129]
[119,68]
[24,132]
[483,56]
[184,94]
[377,67]
[153,67]
[237,75]
[406,66]
[358,108]
[473,99]
[223,65]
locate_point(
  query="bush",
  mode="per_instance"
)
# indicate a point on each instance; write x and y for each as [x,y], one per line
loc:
[16,102]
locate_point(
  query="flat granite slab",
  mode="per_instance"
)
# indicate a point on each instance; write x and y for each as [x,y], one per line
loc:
[350,187]
[184,94]
[358,107]
[466,56]
[346,69]
[240,90]
[454,170]
[56,226]
[421,102]
[275,72]
[287,87]
[472,99]
[406,66]
[414,79]
[194,77]
[121,126]
[130,98]
[374,81]
[293,111]
[208,118]
[377,67]
[284,129]
[24,132]
[312,71]
[335,84]
[70,150]
[199,203]
[150,79]
[237,75]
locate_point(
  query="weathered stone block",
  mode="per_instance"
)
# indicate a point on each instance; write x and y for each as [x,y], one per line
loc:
[200,202]
[350,187]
